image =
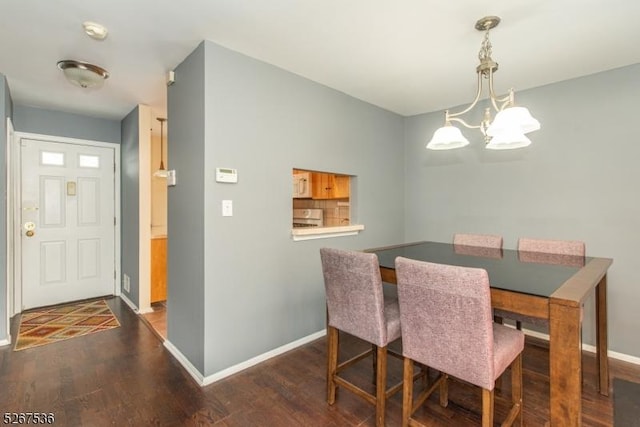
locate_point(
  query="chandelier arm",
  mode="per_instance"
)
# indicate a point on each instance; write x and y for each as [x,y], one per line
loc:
[504,101]
[473,104]
[462,122]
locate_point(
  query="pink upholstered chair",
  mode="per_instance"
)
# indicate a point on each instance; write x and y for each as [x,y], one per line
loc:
[447,324]
[569,252]
[356,305]
[560,247]
[482,240]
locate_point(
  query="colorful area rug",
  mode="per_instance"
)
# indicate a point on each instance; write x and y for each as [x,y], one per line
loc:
[53,324]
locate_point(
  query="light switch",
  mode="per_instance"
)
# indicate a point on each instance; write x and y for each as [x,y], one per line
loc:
[227,208]
[171,178]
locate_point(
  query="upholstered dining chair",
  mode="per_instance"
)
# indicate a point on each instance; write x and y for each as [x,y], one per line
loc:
[530,250]
[447,324]
[356,305]
[482,245]
[482,240]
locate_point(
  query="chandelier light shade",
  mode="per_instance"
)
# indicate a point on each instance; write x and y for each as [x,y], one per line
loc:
[512,122]
[508,140]
[161,172]
[447,138]
[511,116]
[83,74]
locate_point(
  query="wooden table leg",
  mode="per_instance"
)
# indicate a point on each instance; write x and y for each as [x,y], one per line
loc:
[602,359]
[565,360]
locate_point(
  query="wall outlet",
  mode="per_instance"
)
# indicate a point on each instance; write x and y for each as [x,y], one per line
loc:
[126,283]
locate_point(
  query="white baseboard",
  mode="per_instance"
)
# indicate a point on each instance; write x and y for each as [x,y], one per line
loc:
[210,379]
[127,301]
[261,358]
[588,347]
[146,310]
[195,374]
[6,341]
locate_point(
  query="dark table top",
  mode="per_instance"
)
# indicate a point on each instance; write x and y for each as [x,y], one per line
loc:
[530,273]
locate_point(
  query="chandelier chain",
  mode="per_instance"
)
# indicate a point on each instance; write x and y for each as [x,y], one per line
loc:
[485,48]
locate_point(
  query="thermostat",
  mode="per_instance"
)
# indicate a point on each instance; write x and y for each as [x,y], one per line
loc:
[227,175]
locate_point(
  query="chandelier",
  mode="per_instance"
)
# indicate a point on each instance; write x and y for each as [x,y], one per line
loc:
[508,129]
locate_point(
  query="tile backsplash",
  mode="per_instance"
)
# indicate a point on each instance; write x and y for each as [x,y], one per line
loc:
[335,211]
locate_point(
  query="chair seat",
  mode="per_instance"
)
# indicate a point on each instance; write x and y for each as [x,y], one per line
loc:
[507,344]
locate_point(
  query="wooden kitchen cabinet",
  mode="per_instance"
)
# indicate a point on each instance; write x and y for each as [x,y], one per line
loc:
[330,186]
[158,269]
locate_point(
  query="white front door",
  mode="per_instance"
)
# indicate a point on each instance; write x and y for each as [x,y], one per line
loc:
[67,222]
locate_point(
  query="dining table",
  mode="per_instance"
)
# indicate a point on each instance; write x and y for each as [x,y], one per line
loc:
[549,287]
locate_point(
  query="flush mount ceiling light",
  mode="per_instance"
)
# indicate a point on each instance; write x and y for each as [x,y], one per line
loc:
[83,74]
[161,172]
[508,129]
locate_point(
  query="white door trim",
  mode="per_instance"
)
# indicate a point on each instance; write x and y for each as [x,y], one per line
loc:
[144,206]
[13,204]
[9,278]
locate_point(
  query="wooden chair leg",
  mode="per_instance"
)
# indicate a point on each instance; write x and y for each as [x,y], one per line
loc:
[374,363]
[514,417]
[332,363]
[381,384]
[487,408]
[516,387]
[518,325]
[407,391]
[444,391]
[424,370]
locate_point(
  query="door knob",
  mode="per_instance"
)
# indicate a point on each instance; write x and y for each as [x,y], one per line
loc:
[29,227]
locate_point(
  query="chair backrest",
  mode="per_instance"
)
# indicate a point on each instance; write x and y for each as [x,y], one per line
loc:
[560,247]
[355,300]
[483,240]
[446,319]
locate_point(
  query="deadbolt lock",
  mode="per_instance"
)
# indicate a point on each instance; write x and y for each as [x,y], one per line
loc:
[29,227]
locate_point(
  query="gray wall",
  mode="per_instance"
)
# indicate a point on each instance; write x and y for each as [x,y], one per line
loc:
[6,107]
[185,216]
[259,289]
[578,180]
[58,123]
[130,204]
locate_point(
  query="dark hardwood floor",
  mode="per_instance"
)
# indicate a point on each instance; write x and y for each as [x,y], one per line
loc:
[125,376]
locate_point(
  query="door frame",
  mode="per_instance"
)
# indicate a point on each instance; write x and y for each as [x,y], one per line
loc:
[14,255]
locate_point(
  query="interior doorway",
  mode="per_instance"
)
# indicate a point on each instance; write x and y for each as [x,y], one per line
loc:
[158,286]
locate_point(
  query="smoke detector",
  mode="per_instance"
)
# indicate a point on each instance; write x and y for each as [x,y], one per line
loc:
[94,30]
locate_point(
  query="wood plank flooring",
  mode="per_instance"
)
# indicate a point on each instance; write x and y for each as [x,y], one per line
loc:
[126,377]
[157,319]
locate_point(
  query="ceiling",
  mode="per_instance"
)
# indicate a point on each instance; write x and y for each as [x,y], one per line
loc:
[407,56]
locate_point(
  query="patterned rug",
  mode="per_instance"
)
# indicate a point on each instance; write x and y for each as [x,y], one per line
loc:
[626,403]
[53,324]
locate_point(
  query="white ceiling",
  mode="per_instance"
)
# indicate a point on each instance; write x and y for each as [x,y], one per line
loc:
[407,56]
